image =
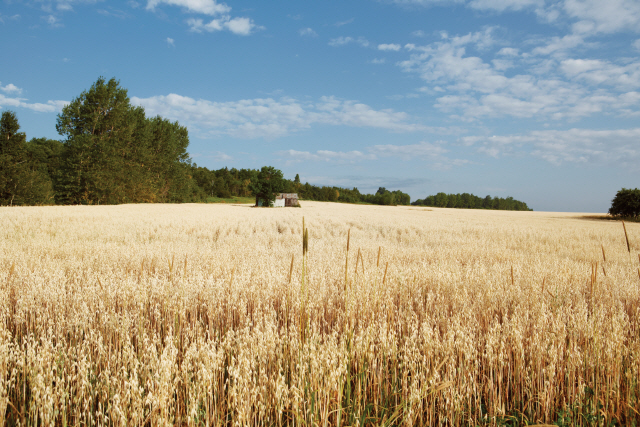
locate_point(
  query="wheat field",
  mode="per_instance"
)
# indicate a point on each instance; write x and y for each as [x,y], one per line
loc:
[210,315]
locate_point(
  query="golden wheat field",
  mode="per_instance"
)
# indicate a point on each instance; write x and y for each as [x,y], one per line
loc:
[196,315]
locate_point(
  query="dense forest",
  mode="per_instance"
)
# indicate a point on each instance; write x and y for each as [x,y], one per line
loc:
[112,153]
[469,201]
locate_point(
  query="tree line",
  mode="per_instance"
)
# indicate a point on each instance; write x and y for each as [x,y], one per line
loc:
[226,183]
[469,201]
[112,153]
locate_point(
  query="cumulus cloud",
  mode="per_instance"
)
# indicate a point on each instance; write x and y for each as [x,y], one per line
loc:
[395,47]
[240,26]
[53,21]
[597,16]
[407,152]
[49,107]
[508,51]
[325,156]
[341,23]
[559,45]
[555,88]
[494,5]
[341,41]
[10,88]
[617,146]
[504,5]
[205,7]
[170,42]
[13,17]
[217,156]
[588,16]
[307,32]
[599,72]
[269,118]
[434,154]
[223,20]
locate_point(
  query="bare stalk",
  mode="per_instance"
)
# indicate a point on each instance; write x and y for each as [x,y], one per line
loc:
[626,236]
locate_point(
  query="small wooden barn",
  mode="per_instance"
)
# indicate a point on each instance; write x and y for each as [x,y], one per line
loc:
[282,200]
[286,200]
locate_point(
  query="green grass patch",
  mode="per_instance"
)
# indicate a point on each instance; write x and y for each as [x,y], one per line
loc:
[237,200]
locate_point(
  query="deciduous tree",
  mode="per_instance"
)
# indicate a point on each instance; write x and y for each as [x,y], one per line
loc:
[626,204]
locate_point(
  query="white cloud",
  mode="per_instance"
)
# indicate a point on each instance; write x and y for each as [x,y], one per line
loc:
[407,152]
[205,7]
[508,51]
[268,118]
[11,88]
[636,44]
[604,16]
[170,41]
[240,26]
[116,13]
[618,146]
[427,2]
[222,157]
[589,16]
[602,72]
[495,5]
[395,47]
[559,45]
[342,23]
[307,32]
[13,17]
[341,41]
[326,156]
[222,21]
[53,21]
[566,89]
[433,153]
[503,5]
[351,113]
[502,64]
[378,61]
[49,107]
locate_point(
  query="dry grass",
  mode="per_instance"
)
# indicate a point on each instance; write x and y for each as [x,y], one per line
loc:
[196,315]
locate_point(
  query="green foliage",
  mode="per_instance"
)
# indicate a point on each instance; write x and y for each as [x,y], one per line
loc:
[99,126]
[469,201]
[23,179]
[266,185]
[114,154]
[387,198]
[626,204]
[226,183]
[223,183]
[587,412]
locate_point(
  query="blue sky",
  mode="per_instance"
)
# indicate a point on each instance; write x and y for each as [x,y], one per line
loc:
[534,99]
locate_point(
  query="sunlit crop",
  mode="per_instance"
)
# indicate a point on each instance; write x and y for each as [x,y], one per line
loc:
[197,315]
